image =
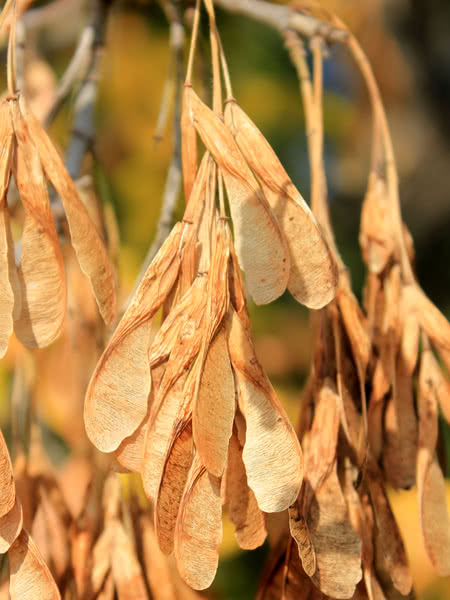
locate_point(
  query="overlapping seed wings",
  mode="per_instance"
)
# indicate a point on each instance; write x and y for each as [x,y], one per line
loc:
[313,271]
[41,271]
[88,245]
[8,273]
[116,400]
[260,244]
[271,445]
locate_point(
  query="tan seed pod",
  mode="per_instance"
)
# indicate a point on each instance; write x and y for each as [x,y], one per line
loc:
[10,526]
[433,510]
[214,408]
[8,272]
[249,521]
[116,399]
[173,480]
[126,570]
[7,487]
[300,532]
[30,577]
[388,535]
[260,245]
[89,248]
[336,543]
[198,531]
[188,150]
[271,446]
[41,272]
[313,271]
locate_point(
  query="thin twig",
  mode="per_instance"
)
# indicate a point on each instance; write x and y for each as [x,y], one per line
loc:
[76,71]
[284,17]
[173,181]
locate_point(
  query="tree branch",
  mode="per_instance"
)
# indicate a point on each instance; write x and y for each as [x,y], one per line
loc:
[284,17]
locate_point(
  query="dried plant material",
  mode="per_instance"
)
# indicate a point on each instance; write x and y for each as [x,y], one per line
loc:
[199,528]
[214,409]
[336,543]
[116,399]
[101,559]
[388,535]
[284,577]
[188,150]
[431,320]
[41,271]
[50,528]
[400,424]
[300,532]
[271,446]
[313,271]
[159,574]
[7,264]
[30,577]
[163,425]
[173,481]
[355,328]
[89,248]
[241,503]
[323,435]
[376,236]
[126,570]
[7,487]
[10,526]
[260,245]
[434,517]
[433,509]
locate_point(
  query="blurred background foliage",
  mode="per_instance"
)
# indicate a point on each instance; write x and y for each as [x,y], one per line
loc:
[407,44]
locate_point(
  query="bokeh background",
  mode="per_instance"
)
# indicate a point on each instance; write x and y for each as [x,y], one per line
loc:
[407,42]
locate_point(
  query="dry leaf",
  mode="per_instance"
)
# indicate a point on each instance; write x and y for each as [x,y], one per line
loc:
[199,528]
[313,272]
[30,577]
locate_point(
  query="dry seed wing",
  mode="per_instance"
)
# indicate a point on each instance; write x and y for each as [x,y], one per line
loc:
[7,487]
[116,399]
[271,446]
[89,248]
[10,526]
[248,519]
[8,272]
[41,271]
[173,480]
[165,416]
[313,271]
[30,577]
[198,531]
[125,567]
[260,244]
[214,407]
[336,543]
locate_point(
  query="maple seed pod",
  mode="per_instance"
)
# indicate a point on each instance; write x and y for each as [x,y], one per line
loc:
[313,271]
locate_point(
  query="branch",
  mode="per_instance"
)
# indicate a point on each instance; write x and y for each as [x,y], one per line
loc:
[174,177]
[284,17]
